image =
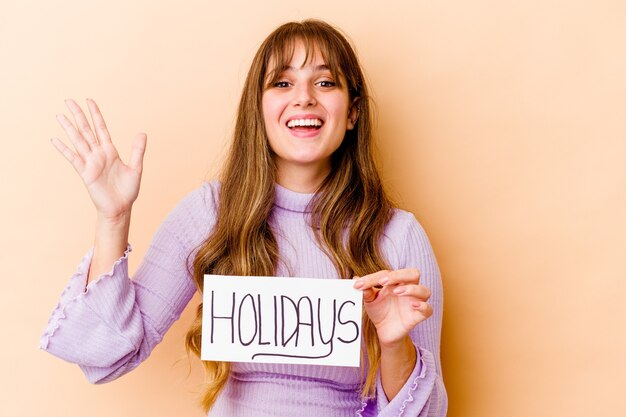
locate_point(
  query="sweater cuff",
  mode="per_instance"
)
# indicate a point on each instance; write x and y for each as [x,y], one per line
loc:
[77,285]
[414,395]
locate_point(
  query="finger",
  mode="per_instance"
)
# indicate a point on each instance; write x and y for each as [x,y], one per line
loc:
[81,122]
[370,280]
[77,140]
[423,308]
[98,122]
[138,150]
[401,276]
[418,291]
[73,159]
[370,294]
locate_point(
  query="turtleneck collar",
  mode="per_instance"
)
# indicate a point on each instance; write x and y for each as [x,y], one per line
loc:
[291,200]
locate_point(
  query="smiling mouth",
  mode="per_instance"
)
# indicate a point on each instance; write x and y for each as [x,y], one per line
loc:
[305,124]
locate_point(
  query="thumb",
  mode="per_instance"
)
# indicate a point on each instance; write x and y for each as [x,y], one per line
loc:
[138,150]
[370,294]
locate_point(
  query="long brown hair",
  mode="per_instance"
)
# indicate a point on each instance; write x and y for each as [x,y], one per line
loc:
[349,210]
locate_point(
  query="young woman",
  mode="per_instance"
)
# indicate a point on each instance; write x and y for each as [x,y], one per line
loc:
[299,196]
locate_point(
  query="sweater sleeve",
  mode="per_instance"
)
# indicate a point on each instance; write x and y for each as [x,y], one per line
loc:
[110,326]
[424,394]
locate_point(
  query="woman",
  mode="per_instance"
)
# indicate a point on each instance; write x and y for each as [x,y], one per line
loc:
[299,195]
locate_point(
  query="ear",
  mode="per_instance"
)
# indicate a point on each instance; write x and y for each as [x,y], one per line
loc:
[353,113]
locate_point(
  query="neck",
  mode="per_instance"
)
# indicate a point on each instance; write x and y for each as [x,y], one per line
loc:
[300,178]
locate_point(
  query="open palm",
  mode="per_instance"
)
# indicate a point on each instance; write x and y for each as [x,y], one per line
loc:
[112,185]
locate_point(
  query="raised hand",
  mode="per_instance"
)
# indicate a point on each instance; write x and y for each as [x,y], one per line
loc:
[395,302]
[112,185]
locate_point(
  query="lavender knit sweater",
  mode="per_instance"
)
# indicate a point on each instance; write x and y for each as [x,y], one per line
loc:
[112,325]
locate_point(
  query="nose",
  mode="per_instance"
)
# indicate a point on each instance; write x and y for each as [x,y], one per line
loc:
[304,95]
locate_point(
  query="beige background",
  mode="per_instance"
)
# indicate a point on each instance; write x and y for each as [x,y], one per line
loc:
[502,126]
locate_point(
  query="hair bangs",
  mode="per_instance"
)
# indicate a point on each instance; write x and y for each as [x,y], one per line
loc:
[281,47]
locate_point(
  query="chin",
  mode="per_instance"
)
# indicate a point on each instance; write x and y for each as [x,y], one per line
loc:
[305,160]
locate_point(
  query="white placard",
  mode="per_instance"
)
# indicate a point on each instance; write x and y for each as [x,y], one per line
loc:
[281,320]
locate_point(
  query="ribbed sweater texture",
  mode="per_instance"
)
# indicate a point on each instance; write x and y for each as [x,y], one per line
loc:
[111,325]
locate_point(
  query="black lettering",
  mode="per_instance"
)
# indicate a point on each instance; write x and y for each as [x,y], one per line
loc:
[356,326]
[303,323]
[319,324]
[231,317]
[319,321]
[275,321]
[282,306]
[253,315]
[261,342]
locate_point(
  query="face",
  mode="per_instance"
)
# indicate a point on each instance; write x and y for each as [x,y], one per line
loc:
[306,116]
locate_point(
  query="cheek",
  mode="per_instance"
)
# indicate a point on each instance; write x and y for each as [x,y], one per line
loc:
[340,107]
[265,108]
[271,107]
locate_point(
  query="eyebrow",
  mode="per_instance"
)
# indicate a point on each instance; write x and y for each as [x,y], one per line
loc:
[317,68]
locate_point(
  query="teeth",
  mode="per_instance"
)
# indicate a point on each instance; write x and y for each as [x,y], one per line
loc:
[304,122]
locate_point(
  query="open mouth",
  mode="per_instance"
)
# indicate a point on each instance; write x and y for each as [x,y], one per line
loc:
[305,124]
